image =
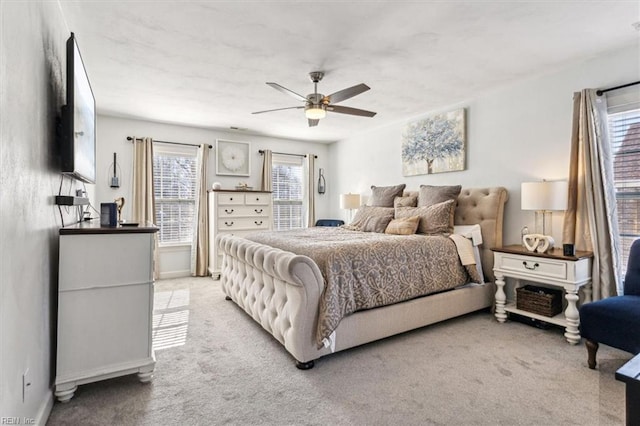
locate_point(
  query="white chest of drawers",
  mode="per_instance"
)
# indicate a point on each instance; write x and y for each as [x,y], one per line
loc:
[237,213]
[105,305]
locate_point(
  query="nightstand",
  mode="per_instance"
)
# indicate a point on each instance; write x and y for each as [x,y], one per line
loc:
[552,269]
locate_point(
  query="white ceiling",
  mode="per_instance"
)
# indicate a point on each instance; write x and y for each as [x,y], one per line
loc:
[205,63]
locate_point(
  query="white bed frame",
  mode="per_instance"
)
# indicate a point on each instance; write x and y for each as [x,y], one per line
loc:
[281,290]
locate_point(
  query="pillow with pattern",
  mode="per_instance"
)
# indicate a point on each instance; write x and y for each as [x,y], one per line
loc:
[436,219]
[383,196]
[430,195]
[371,219]
[403,226]
[408,201]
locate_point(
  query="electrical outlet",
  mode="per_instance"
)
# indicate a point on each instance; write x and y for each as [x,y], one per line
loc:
[26,384]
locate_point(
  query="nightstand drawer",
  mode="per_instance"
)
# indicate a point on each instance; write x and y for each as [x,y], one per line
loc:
[535,266]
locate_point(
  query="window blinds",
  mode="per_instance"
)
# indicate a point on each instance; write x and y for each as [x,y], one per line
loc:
[624,136]
[174,180]
[288,192]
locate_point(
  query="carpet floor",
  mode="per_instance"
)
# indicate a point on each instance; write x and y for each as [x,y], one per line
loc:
[216,366]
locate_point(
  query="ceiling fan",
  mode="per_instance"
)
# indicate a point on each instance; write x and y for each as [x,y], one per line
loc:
[316,104]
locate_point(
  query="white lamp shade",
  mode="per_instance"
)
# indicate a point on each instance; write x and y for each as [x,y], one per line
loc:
[544,195]
[349,201]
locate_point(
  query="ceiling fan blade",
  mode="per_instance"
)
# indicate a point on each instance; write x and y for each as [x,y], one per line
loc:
[344,94]
[288,92]
[313,123]
[351,111]
[277,109]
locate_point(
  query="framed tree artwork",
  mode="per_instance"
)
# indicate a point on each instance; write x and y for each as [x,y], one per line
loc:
[434,144]
[233,158]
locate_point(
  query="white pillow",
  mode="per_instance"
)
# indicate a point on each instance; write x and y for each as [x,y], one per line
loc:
[473,233]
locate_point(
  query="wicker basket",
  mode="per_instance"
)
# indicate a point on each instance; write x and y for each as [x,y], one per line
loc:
[539,300]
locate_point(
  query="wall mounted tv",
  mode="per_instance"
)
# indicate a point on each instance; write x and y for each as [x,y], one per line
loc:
[78,139]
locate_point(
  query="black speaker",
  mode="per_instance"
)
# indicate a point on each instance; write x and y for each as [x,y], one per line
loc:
[568,249]
[108,214]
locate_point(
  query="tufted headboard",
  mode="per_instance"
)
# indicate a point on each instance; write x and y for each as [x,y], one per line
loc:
[485,207]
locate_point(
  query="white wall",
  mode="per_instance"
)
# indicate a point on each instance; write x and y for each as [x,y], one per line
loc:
[32,76]
[516,134]
[112,135]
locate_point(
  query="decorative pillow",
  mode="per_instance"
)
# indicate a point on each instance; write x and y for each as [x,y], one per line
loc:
[436,219]
[383,196]
[371,219]
[474,234]
[409,201]
[403,226]
[430,195]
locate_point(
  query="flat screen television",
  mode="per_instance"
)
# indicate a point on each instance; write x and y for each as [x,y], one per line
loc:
[78,139]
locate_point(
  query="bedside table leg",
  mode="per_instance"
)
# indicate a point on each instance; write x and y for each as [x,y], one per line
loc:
[588,293]
[572,316]
[501,298]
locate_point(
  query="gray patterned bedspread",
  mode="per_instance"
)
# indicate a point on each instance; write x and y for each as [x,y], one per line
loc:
[364,270]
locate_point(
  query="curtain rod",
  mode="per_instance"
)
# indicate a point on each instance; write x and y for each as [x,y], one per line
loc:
[603,91]
[261,151]
[129,138]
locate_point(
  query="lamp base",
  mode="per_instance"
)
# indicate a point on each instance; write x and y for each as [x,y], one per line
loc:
[543,223]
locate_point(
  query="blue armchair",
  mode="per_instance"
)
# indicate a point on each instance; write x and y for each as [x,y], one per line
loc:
[615,321]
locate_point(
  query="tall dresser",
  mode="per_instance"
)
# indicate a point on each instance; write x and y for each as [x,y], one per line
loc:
[237,213]
[105,305]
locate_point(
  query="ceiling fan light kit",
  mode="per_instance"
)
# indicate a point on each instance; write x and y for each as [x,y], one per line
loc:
[315,112]
[316,104]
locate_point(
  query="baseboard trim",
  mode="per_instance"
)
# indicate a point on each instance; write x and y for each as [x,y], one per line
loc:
[174,274]
[45,409]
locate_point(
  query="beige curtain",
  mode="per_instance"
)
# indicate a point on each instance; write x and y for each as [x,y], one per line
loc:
[267,169]
[143,201]
[590,221]
[311,193]
[200,244]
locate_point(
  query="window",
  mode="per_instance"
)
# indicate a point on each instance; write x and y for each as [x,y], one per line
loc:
[174,180]
[624,134]
[288,184]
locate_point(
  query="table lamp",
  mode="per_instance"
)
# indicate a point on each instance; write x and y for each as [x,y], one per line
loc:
[544,197]
[349,202]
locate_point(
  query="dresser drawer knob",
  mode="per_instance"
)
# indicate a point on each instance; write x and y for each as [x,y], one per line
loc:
[228,223]
[258,211]
[257,222]
[228,211]
[532,268]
